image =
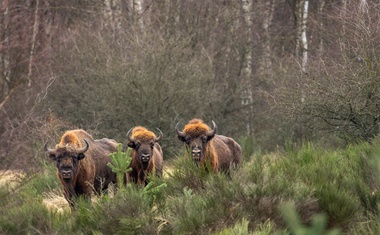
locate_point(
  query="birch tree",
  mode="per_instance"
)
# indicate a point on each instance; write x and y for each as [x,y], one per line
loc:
[305,10]
[5,74]
[321,27]
[247,63]
[265,63]
[33,42]
[113,14]
[138,13]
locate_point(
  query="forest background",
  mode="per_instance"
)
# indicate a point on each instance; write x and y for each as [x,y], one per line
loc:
[295,82]
[268,72]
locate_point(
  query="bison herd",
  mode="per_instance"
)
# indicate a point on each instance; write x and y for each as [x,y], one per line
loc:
[82,161]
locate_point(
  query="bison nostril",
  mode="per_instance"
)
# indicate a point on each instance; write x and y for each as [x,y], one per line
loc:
[66,173]
[145,157]
[196,151]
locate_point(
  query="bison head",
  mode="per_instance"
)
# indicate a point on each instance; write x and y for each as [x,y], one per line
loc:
[196,135]
[67,159]
[143,141]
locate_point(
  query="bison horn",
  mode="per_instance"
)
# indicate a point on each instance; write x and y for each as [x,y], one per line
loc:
[129,136]
[179,133]
[84,149]
[49,151]
[160,136]
[213,131]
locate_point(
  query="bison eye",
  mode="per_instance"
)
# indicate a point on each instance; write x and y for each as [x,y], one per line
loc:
[187,140]
[204,139]
[152,145]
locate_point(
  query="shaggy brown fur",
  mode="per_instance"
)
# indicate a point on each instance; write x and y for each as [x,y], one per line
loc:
[81,172]
[219,151]
[147,156]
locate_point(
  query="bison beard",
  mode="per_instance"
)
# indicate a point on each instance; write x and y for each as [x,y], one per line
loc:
[206,147]
[82,164]
[147,156]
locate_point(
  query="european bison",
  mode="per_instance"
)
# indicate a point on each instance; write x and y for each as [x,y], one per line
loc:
[82,164]
[147,156]
[206,147]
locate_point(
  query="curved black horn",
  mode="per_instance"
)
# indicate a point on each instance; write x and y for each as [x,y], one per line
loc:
[128,135]
[85,148]
[179,133]
[160,136]
[49,151]
[213,131]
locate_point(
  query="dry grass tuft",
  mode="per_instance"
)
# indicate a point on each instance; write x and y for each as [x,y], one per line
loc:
[11,177]
[54,201]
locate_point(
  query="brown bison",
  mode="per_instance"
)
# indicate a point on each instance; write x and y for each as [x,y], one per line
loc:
[82,163]
[220,152]
[147,156]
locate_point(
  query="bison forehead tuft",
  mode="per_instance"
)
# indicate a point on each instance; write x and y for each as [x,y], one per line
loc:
[65,150]
[196,128]
[142,134]
[70,137]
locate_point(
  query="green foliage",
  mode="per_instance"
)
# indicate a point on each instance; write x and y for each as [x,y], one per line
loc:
[318,223]
[119,164]
[328,190]
[154,191]
[185,174]
[248,147]
[240,228]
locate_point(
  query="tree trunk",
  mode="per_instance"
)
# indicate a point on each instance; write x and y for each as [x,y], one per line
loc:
[139,13]
[5,75]
[113,15]
[265,63]
[247,64]
[305,8]
[298,8]
[321,27]
[33,43]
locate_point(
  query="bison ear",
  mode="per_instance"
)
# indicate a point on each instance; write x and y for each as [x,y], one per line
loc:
[209,137]
[81,156]
[131,144]
[52,157]
[182,138]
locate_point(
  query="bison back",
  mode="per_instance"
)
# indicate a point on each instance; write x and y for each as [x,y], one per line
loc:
[158,159]
[228,152]
[235,150]
[101,154]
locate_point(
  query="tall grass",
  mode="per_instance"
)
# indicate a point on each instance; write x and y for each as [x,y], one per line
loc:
[331,192]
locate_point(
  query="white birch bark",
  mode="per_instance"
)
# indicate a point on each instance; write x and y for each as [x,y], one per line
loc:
[33,43]
[265,64]
[363,6]
[139,13]
[247,63]
[298,10]
[304,35]
[131,9]
[247,10]
[113,15]
[321,25]
[4,57]
[343,14]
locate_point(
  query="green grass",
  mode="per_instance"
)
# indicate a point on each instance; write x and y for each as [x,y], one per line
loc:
[299,191]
